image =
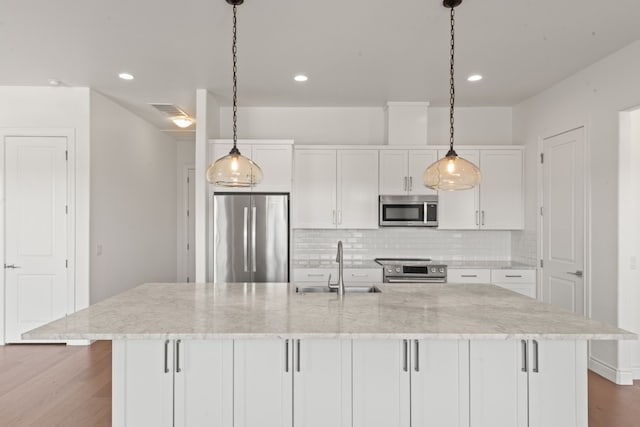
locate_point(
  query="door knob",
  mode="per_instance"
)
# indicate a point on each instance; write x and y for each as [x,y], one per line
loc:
[576,273]
[11,266]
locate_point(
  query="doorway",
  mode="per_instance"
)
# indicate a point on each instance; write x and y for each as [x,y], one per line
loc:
[563,221]
[37,223]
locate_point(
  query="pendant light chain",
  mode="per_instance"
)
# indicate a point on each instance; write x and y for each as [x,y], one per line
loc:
[234,50]
[452,90]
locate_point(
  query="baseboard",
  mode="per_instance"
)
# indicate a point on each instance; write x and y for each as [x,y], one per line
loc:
[620,377]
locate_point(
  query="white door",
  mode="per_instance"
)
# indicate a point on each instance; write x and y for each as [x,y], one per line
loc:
[419,160]
[203,383]
[142,383]
[191,225]
[393,177]
[36,232]
[322,383]
[460,210]
[558,384]
[439,383]
[563,221]
[381,383]
[357,189]
[263,383]
[498,384]
[314,195]
[501,201]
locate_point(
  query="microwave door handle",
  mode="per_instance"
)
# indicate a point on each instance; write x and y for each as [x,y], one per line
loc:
[426,209]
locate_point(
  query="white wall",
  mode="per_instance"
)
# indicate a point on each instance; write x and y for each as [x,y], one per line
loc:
[629,241]
[185,158]
[364,125]
[591,98]
[133,201]
[59,108]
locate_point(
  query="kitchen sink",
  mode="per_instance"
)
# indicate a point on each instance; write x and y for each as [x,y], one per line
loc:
[347,290]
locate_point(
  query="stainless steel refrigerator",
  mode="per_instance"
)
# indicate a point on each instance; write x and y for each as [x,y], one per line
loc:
[251,237]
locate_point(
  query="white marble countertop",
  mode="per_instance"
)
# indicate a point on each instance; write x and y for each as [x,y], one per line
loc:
[460,264]
[260,310]
[506,265]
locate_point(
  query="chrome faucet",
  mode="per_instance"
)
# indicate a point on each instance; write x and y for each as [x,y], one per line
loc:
[339,286]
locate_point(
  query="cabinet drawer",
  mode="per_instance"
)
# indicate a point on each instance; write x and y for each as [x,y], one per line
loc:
[513,276]
[313,274]
[371,275]
[468,275]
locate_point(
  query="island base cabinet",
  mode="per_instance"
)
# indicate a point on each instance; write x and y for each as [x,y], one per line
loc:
[263,383]
[322,383]
[528,383]
[167,383]
[381,383]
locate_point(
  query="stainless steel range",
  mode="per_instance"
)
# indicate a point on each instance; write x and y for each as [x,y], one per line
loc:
[412,270]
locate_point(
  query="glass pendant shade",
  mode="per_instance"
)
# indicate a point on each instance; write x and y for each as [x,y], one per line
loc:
[452,173]
[234,170]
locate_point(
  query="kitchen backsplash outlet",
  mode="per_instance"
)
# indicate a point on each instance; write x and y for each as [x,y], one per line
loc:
[319,246]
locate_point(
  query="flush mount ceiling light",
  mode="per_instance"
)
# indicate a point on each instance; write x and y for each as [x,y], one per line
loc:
[126,76]
[452,172]
[182,121]
[234,169]
[301,78]
[474,78]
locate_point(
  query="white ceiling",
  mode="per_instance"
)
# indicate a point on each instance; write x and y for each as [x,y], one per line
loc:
[356,52]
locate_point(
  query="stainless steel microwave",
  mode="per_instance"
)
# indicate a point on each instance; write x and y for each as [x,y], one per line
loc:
[408,211]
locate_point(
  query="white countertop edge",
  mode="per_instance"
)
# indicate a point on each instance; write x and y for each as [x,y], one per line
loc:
[324,335]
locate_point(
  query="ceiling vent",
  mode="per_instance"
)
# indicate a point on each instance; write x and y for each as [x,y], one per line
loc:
[169,109]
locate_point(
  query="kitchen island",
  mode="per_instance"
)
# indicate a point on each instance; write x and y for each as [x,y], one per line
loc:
[264,355]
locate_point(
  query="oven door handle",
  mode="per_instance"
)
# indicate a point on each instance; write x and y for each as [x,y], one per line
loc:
[416,280]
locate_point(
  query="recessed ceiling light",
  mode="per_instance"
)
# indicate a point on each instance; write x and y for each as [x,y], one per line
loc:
[474,78]
[301,78]
[183,121]
[125,76]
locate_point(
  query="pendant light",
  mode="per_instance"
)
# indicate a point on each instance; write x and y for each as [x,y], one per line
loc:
[452,172]
[234,169]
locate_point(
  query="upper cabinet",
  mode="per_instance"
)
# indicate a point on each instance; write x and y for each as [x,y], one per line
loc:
[497,203]
[335,188]
[401,171]
[273,156]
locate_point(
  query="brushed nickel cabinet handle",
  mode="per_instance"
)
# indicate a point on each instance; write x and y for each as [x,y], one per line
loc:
[536,361]
[298,356]
[286,355]
[525,360]
[166,357]
[405,355]
[178,368]
[416,366]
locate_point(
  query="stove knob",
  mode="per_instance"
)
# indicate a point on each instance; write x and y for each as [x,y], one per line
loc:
[441,270]
[433,269]
[389,270]
[398,269]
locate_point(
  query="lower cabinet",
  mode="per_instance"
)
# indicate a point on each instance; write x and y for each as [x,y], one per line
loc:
[528,383]
[410,383]
[342,383]
[292,382]
[172,382]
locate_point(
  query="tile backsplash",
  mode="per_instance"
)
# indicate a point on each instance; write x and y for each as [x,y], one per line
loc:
[313,246]
[524,247]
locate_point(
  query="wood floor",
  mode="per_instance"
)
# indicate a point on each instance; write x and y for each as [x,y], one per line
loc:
[56,385]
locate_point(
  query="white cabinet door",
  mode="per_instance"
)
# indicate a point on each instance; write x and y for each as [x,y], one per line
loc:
[381,390]
[314,203]
[263,383]
[203,382]
[357,188]
[498,384]
[439,383]
[460,210]
[275,162]
[501,193]
[142,383]
[393,172]
[419,160]
[322,383]
[558,384]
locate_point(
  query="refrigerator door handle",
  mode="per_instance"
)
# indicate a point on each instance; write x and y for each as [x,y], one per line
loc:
[253,238]
[246,238]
